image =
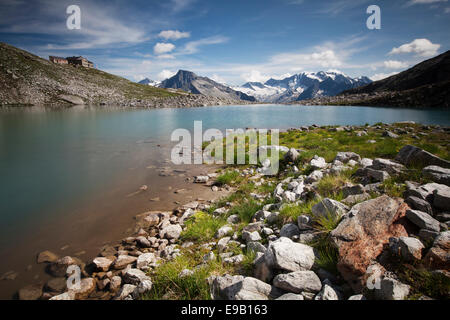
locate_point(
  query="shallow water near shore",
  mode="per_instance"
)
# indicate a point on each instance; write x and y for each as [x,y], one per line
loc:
[70,178]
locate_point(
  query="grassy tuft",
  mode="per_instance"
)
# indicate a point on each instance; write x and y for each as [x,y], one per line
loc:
[246,209]
[328,255]
[227,178]
[202,227]
[168,286]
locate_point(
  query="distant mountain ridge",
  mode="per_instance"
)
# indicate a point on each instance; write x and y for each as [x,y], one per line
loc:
[150,82]
[190,82]
[302,86]
[425,85]
[426,73]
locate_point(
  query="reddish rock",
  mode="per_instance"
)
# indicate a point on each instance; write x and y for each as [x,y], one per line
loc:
[361,236]
[150,219]
[438,257]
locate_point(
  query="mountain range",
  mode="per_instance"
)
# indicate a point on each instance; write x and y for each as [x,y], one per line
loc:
[425,85]
[192,83]
[306,85]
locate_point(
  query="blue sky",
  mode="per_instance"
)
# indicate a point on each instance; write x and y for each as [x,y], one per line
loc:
[232,41]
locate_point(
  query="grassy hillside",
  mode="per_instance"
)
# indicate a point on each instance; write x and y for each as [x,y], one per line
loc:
[28,79]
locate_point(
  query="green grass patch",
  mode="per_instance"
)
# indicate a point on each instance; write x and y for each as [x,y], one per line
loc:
[202,227]
[291,212]
[227,178]
[327,255]
[167,285]
[246,209]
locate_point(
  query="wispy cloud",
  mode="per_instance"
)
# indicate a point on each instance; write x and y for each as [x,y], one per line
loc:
[193,46]
[414,2]
[339,6]
[394,64]
[173,34]
[380,76]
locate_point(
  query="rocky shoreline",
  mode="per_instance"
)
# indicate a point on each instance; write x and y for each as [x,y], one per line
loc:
[351,228]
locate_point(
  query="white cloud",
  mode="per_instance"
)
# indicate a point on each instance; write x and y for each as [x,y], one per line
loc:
[394,64]
[165,74]
[413,2]
[101,27]
[324,59]
[192,46]
[215,77]
[165,56]
[254,76]
[161,48]
[422,47]
[173,34]
[380,76]
[282,76]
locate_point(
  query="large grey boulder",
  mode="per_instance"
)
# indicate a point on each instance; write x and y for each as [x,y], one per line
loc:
[437,174]
[250,289]
[298,282]
[389,166]
[423,220]
[410,155]
[329,207]
[287,255]
[239,288]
